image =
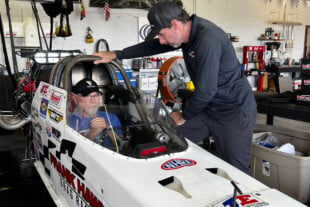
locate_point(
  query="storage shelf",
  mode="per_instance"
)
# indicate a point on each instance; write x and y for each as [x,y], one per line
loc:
[275,40]
[286,23]
[148,70]
[288,68]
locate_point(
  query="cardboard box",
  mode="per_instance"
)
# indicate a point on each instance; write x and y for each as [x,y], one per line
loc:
[285,172]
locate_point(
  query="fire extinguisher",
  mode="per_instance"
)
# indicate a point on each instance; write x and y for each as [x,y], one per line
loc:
[89,38]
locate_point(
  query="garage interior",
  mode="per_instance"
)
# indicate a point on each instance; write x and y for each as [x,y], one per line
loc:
[271,39]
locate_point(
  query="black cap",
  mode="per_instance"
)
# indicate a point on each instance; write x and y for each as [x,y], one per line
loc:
[85,87]
[160,16]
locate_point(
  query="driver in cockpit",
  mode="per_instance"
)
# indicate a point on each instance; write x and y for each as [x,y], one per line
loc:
[88,120]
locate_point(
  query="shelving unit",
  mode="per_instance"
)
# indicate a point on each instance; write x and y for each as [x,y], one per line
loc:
[286,23]
[305,75]
[255,55]
[287,31]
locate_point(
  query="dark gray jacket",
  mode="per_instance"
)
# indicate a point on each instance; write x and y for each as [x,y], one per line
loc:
[213,67]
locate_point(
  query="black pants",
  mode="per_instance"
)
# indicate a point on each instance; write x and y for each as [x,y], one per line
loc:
[232,133]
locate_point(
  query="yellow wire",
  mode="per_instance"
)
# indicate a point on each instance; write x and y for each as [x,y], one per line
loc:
[113,133]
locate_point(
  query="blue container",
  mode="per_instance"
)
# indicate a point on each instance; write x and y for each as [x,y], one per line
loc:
[132,81]
[119,75]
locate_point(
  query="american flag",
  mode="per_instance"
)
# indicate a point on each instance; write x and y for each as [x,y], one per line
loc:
[106,9]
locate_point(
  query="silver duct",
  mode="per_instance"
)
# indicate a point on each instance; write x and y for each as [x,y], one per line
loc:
[13,122]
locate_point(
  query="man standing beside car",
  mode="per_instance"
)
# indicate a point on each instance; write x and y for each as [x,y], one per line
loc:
[223,104]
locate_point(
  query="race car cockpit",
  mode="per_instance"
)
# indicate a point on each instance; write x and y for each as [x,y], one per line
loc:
[147,129]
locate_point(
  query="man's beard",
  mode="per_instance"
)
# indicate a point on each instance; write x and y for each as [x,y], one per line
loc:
[91,110]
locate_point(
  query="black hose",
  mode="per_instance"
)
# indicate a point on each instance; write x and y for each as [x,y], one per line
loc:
[6,59]
[106,44]
[14,61]
[51,33]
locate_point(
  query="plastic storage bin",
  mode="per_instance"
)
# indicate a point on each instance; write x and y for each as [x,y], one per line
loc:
[119,75]
[285,172]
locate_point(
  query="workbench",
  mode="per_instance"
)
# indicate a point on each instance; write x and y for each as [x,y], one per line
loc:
[272,104]
[278,70]
[281,105]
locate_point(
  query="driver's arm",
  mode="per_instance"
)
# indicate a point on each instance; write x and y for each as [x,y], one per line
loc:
[97,125]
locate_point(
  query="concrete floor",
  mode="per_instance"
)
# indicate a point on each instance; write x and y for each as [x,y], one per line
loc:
[20,185]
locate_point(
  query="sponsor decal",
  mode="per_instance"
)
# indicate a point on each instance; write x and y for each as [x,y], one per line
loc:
[37,126]
[244,201]
[48,130]
[37,147]
[44,90]
[266,168]
[38,140]
[43,107]
[56,133]
[56,98]
[55,116]
[34,112]
[74,187]
[174,164]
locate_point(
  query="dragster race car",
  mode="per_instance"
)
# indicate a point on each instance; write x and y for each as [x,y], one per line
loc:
[151,165]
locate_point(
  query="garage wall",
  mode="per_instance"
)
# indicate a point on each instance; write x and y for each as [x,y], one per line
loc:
[249,18]
[244,18]
[119,31]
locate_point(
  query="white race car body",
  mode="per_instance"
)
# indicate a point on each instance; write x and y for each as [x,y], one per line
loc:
[79,172]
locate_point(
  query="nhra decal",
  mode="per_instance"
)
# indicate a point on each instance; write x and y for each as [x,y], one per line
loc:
[177,163]
[43,107]
[44,90]
[56,98]
[244,201]
[56,117]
